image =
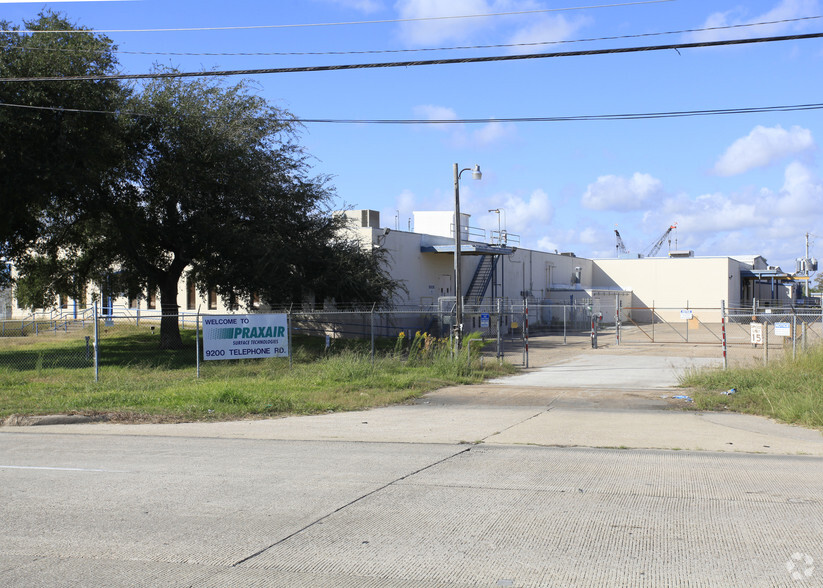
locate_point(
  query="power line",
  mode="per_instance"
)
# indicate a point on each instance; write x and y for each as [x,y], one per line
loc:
[330,24]
[427,49]
[581,118]
[461,60]
[530,119]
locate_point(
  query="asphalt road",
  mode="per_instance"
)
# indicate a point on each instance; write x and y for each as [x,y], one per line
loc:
[391,497]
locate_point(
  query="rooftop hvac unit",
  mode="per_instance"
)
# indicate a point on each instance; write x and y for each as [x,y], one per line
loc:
[370,218]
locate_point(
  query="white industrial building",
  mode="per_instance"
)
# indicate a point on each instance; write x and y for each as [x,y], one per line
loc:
[496,270]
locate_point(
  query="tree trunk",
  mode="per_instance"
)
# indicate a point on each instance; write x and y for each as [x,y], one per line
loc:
[169,325]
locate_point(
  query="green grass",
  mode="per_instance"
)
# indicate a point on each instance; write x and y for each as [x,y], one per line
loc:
[138,382]
[787,390]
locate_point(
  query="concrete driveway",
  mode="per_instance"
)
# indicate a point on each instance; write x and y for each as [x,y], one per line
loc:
[513,483]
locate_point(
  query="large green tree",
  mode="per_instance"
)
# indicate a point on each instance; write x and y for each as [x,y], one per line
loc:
[218,184]
[196,176]
[52,160]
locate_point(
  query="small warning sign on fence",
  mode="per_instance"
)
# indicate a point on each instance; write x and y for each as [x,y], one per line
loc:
[783,329]
[757,333]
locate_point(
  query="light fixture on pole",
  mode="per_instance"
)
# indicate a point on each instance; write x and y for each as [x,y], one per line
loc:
[458,290]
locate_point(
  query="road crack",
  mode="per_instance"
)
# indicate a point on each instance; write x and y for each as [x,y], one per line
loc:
[347,505]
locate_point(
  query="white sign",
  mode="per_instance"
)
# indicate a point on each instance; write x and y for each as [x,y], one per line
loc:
[757,333]
[240,336]
[686,314]
[783,329]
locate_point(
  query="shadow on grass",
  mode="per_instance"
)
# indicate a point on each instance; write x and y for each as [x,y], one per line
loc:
[116,350]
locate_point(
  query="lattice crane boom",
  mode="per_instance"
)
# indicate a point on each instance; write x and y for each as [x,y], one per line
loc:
[620,246]
[659,243]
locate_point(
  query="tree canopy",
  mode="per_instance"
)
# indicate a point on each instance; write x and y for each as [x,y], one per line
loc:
[50,157]
[191,176]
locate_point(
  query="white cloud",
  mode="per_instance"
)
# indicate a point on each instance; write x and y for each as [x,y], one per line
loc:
[545,29]
[492,133]
[524,214]
[712,213]
[526,28]
[438,31]
[434,112]
[762,147]
[484,136]
[590,236]
[619,193]
[770,212]
[406,201]
[800,196]
[547,244]
[782,11]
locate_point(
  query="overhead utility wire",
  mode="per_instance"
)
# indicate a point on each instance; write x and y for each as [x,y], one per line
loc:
[423,49]
[580,118]
[459,60]
[334,24]
[592,117]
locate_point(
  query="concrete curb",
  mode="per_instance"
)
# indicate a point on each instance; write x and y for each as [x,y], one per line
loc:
[17,420]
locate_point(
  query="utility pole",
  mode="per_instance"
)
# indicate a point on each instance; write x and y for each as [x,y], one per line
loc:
[807,265]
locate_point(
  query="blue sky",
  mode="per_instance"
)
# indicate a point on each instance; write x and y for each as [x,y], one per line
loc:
[734,184]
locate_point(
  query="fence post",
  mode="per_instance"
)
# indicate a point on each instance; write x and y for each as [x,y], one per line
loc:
[372,333]
[687,323]
[765,343]
[526,330]
[196,339]
[723,333]
[794,337]
[96,346]
[653,321]
[803,335]
[617,318]
[564,323]
[594,331]
[499,330]
[288,335]
[469,355]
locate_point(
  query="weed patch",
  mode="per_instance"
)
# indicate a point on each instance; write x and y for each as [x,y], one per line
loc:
[139,382]
[787,390]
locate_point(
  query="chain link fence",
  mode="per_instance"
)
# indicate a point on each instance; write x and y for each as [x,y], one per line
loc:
[508,328]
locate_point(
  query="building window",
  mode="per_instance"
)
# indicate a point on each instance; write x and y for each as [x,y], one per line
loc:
[233,305]
[63,301]
[212,299]
[191,295]
[151,299]
[134,303]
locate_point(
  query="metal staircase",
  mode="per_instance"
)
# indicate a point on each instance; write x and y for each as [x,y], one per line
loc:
[481,279]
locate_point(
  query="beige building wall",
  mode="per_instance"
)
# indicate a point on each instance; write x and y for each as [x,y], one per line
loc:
[672,284]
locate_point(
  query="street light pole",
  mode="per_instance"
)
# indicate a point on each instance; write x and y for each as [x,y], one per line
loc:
[458,289]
